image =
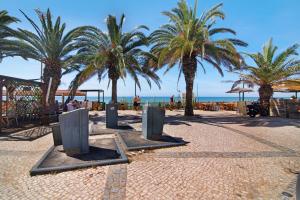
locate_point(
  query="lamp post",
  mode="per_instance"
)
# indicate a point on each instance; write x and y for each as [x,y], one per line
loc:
[134,88]
[41,71]
[243,92]
[197,93]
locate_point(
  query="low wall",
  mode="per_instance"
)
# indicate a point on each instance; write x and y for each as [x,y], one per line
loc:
[242,108]
[285,108]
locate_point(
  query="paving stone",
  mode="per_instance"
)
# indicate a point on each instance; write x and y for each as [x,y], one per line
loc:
[228,157]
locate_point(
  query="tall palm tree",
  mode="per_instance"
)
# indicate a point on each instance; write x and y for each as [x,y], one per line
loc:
[5,32]
[50,45]
[115,53]
[189,40]
[271,70]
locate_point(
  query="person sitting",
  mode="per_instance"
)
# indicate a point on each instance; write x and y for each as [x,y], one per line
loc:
[135,103]
[85,104]
[70,106]
[179,104]
[171,102]
[56,107]
[138,102]
[76,104]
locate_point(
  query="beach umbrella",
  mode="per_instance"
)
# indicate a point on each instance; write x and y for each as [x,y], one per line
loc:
[240,90]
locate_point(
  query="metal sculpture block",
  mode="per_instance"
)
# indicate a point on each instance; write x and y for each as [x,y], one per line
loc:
[153,122]
[74,128]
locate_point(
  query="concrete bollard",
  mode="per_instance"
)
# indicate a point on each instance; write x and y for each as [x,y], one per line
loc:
[153,122]
[74,127]
[111,115]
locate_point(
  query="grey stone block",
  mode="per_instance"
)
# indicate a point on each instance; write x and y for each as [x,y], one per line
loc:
[56,134]
[111,115]
[74,128]
[153,122]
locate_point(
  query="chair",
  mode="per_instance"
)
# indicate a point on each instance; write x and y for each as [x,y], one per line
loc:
[10,116]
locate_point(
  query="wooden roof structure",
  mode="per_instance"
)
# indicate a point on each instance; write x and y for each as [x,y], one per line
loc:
[66,93]
[286,88]
[291,86]
[79,93]
[8,79]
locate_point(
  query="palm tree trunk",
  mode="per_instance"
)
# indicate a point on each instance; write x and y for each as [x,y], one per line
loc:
[112,74]
[189,69]
[114,97]
[265,94]
[55,73]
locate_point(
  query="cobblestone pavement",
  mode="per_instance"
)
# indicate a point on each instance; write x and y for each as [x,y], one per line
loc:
[227,157]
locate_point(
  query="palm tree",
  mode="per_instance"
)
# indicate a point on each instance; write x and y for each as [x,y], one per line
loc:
[50,45]
[5,32]
[115,53]
[189,40]
[271,70]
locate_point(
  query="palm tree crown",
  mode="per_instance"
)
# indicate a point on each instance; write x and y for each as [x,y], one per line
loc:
[188,40]
[271,69]
[115,53]
[50,45]
[5,32]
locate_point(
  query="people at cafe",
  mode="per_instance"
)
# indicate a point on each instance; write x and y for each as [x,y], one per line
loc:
[85,104]
[171,102]
[138,102]
[135,103]
[70,106]
[76,104]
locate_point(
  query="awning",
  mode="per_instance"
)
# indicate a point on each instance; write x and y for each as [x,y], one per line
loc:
[288,86]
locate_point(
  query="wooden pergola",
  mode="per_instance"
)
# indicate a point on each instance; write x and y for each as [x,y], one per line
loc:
[78,93]
[288,87]
[19,95]
[99,91]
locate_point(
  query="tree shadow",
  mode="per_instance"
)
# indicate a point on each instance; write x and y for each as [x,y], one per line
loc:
[180,119]
[26,135]
[240,120]
[130,119]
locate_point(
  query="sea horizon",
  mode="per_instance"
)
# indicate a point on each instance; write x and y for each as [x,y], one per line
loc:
[165,99]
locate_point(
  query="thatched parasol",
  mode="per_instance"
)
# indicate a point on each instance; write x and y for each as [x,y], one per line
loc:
[239,91]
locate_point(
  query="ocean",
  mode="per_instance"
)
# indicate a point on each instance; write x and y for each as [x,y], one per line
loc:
[129,99]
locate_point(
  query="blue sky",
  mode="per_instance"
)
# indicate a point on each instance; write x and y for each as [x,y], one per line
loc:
[255,21]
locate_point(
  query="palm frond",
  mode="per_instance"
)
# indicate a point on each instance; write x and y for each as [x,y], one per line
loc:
[115,53]
[271,69]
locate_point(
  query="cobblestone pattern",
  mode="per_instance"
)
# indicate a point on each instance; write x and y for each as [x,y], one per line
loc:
[218,163]
[235,161]
[115,187]
[261,140]
[17,158]
[290,190]
[203,178]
